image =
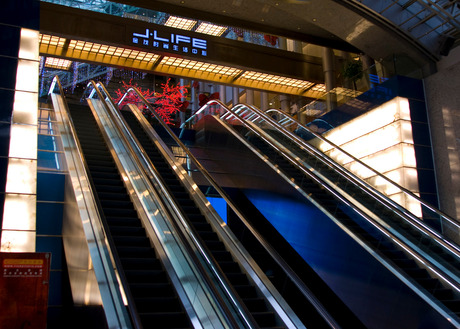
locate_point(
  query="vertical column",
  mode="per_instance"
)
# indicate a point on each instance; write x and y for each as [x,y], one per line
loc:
[222,94]
[285,103]
[294,45]
[263,101]
[19,212]
[329,78]
[250,96]
[282,42]
[236,96]
[369,71]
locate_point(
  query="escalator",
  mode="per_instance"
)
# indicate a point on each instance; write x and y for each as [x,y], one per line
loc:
[156,300]
[330,203]
[298,296]
[263,315]
[427,263]
[147,272]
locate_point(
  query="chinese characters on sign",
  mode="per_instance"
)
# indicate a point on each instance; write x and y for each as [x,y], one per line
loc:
[171,42]
[24,283]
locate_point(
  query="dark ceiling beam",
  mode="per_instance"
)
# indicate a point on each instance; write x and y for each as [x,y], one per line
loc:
[332,42]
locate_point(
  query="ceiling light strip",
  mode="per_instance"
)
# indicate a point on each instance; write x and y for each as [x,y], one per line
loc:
[180,23]
[211,29]
[112,55]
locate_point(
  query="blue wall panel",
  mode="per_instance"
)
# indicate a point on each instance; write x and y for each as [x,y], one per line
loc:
[50,186]
[371,291]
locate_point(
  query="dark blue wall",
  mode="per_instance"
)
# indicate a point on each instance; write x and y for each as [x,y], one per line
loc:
[372,292]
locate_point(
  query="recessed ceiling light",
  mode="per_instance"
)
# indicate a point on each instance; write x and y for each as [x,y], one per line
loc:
[57,63]
[180,23]
[211,29]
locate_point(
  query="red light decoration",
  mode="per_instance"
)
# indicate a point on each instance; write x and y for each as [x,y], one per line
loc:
[165,103]
[204,98]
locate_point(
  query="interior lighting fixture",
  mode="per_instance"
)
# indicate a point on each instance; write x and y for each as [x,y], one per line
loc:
[180,23]
[200,66]
[345,92]
[211,29]
[19,215]
[106,50]
[319,87]
[51,40]
[381,138]
[57,63]
[276,79]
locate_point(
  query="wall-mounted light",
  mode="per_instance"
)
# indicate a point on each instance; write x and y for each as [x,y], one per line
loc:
[19,215]
[381,138]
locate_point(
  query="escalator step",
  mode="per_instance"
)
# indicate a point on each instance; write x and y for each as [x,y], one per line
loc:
[113,196]
[174,320]
[128,231]
[215,245]
[255,304]
[141,290]
[429,283]
[114,212]
[130,241]
[136,252]
[246,291]
[105,175]
[111,189]
[97,169]
[220,256]
[117,204]
[123,221]
[443,294]
[146,276]
[264,319]
[141,264]
[237,278]
[107,182]
[158,304]
[209,235]
[230,267]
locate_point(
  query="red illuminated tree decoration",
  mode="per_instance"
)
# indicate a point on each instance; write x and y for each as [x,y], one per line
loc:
[165,103]
[132,98]
[169,101]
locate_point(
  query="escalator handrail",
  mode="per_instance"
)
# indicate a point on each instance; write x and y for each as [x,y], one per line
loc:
[384,230]
[444,243]
[398,209]
[110,246]
[232,297]
[102,92]
[402,188]
[291,274]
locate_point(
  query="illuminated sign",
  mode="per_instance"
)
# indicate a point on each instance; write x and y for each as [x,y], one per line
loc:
[171,42]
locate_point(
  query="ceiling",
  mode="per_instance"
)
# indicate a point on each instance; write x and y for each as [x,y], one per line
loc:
[349,25]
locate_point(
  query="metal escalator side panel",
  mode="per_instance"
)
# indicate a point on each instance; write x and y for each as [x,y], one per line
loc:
[217,224]
[194,293]
[81,212]
[370,219]
[329,169]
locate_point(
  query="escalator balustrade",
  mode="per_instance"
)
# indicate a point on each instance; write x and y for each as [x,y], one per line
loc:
[156,300]
[246,290]
[381,244]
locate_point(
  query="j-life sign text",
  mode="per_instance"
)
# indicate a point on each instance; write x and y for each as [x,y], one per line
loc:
[171,42]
